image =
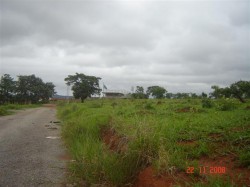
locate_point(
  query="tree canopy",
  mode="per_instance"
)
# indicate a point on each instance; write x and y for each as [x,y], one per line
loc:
[7,88]
[239,90]
[156,91]
[139,93]
[83,86]
[27,89]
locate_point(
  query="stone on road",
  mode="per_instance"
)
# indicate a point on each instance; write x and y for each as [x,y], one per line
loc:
[27,157]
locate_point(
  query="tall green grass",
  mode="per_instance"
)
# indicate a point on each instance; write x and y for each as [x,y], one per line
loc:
[156,131]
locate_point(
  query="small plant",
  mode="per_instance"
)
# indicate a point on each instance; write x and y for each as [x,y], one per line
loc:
[206,103]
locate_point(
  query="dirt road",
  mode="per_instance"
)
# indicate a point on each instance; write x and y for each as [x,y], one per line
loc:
[31,148]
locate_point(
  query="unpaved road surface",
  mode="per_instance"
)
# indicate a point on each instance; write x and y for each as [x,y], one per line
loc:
[27,156]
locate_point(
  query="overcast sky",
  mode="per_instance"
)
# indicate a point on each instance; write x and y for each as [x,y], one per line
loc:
[183,46]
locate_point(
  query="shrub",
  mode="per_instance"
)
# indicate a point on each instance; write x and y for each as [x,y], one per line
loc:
[226,105]
[148,106]
[206,103]
[3,112]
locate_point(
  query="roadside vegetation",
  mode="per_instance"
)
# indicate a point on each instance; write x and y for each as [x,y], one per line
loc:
[27,89]
[158,142]
[8,109]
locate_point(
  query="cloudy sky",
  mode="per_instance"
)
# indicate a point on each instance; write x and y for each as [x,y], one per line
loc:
[183,46]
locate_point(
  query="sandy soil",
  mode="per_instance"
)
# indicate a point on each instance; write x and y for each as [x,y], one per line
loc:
[31,148]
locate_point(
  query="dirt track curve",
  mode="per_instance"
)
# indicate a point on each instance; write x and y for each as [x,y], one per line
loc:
[29,154]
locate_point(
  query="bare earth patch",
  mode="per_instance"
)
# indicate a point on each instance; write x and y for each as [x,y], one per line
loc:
[113,141]
[149,178]
[237,175]
[187,142]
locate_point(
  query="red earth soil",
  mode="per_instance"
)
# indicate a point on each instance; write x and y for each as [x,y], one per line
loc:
[238,175]
[187,142]
[148,178]
[186,109]
[113,141]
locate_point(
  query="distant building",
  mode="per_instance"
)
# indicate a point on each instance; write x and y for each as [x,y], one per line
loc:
[115,94]
[61,97]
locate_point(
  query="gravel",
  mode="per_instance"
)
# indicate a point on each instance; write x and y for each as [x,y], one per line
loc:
[27,156]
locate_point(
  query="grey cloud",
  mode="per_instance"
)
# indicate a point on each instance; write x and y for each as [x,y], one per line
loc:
[184,46]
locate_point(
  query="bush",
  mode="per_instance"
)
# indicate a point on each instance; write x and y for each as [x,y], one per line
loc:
[148,106]
[3,112]
[226,105]
[206,103]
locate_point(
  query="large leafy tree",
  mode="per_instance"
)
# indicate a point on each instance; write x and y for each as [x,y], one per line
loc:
[30,88]
[7,89]
[217,92]
[240,90]
[48,91]
[27,89]
[156,91]
[83,86]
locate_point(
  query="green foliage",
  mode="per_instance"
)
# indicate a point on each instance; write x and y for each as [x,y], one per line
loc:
[226,105]
[8,109]
[7,88]
[156,91]
[155,136]
[207,103]
[3,111]
[239,90]
[27,89]
[83,86]
[148,106]
[139,93]
[245,158]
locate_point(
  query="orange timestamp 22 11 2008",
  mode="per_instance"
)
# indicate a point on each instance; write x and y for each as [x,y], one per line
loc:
[207,170]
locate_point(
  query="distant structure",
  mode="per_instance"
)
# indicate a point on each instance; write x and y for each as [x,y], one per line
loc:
[61,97]
[115,94]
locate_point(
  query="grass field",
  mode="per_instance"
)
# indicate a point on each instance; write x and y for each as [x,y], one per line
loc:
[152,142]
[9,108]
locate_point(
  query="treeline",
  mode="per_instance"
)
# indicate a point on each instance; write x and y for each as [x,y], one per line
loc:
[27,89]
[239,90]
[160,92]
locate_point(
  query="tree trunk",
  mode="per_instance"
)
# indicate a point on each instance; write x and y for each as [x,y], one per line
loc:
[82,100]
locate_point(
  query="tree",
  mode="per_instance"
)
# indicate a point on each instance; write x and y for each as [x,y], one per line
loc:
[194,95]
[32,89]
[47,91]
[139,93]
[7,89]
[217,93]
[181,95]
[169,95]
[156,91]
[83,86]
[203,95]
[240,90]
